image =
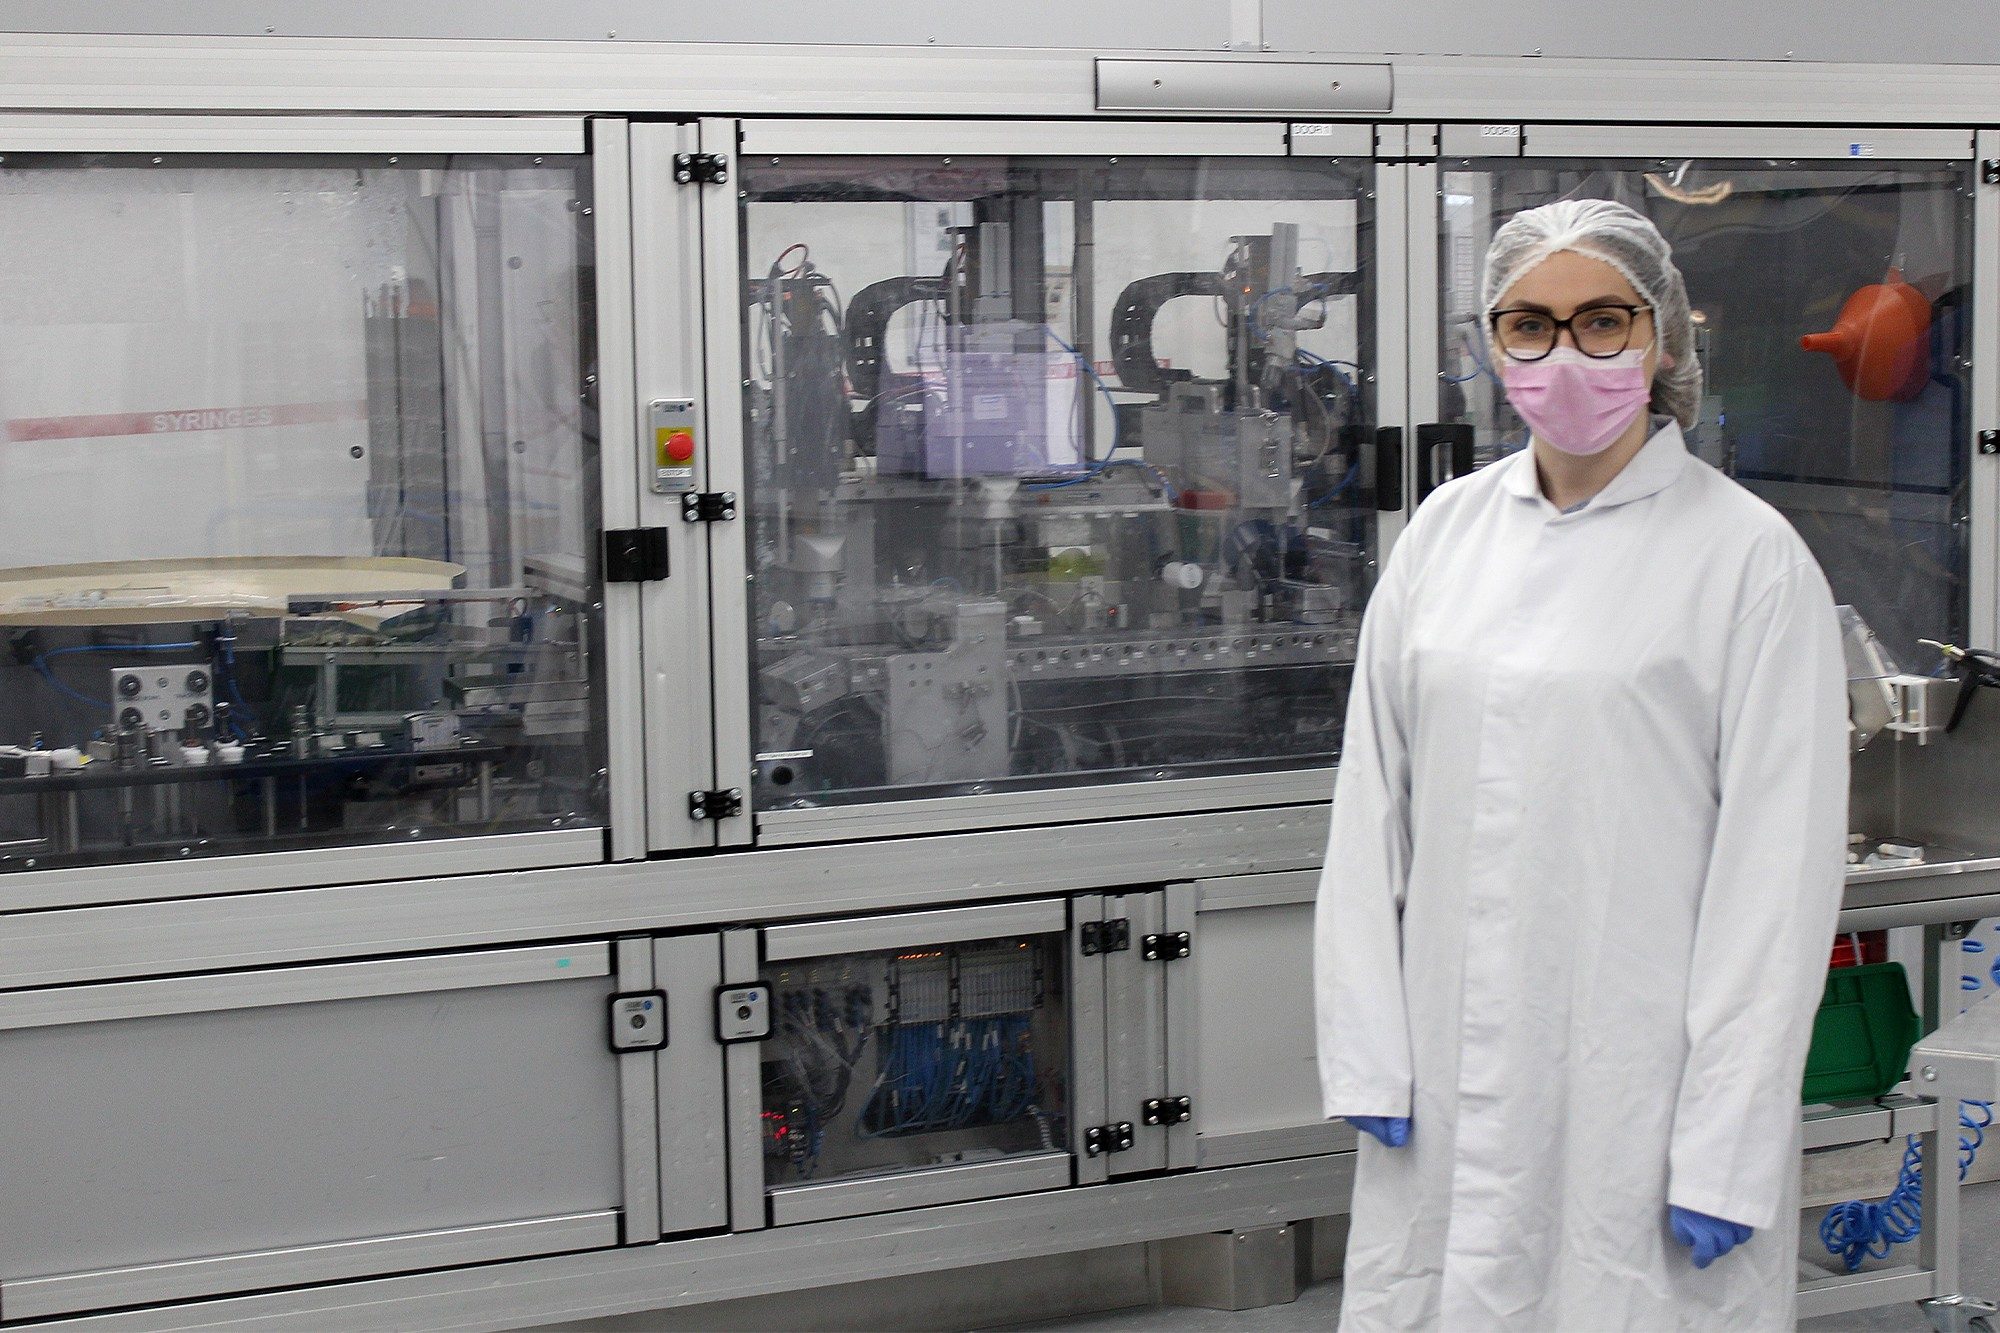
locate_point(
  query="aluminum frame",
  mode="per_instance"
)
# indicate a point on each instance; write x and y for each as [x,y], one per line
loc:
[245,872]
[639,1103]
[1788,142]
[909,930]
[693,1123]
[1392,338]
[1164,137]
[678,736]
[744,1101]
[1137,1062]
[202,934]
[681,1273]
[286,74]
[625,753]
[1041,806]
[921,1187]
[188,1279]
[62,1006]
[1090,1084]
[1983,595]
[367,135]
[728,543]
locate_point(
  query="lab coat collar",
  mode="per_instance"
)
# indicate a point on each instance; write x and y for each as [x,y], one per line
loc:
[1658,464]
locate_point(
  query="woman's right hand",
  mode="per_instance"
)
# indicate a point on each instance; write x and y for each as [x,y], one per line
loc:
[1391,1131]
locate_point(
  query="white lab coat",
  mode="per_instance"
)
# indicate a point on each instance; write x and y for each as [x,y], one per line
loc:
[1587,854]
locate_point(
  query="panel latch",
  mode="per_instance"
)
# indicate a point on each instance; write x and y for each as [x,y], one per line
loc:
[1167,1110]
[1101,1139]
[1166,948]
[635,555]
[1112,936]
[708,506]
[723,803]
[700,169]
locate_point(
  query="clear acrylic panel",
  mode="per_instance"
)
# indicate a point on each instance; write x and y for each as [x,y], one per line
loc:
[1861,439]
[912,1058]
[300,505]
[1061,469]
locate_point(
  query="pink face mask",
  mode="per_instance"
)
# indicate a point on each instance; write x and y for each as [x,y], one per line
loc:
[1576,403]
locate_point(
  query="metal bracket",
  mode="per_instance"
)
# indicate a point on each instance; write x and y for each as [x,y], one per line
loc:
[708,506]
[1989,171]
[1114,936]
[635,555]
[1989,441]
[1166,948]
[700,169]
[1167,1110]
[719,804]
[1101,1139]
[1959,1314]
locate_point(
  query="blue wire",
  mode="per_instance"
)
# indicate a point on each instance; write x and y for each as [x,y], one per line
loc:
[124,648]
[1097,467]
[41,668]
[1334,494]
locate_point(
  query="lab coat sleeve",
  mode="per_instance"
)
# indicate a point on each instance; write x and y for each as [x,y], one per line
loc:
[1363,1026]
[1768,905]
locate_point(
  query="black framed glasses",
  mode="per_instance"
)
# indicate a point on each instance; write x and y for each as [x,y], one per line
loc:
[1598,331]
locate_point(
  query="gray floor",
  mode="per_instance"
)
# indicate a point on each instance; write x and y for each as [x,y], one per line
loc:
[1318,1307]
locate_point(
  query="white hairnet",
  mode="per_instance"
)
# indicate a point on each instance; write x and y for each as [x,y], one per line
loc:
[1629,242]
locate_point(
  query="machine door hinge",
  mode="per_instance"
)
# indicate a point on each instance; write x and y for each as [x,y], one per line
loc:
[700,169]
[635,555]
[708,506]
[1101,1139]
[1166,948]
[1167,1110]
[1114,936]
[1989,441]
[723,803]
[1989,171]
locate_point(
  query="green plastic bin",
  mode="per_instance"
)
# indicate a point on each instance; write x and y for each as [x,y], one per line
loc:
[1862,1034]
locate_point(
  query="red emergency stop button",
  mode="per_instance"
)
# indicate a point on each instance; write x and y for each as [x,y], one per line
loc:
[678,446]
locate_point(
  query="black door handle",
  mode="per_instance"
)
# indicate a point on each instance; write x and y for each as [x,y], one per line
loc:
[1389,468]
[1433,436]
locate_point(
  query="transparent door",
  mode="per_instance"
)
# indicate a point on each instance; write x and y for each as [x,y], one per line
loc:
[915,1058]
[1832,305]
[300,504]
[1056,468]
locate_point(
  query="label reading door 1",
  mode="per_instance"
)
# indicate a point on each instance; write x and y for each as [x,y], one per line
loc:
[673,429]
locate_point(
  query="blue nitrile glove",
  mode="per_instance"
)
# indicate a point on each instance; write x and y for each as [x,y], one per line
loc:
[1709,1238]
[1392,1131]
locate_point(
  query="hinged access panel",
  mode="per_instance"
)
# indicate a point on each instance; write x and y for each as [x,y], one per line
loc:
[1256,1072]
[330,1121]
[913,1059]
[1149,1020]
[686,449]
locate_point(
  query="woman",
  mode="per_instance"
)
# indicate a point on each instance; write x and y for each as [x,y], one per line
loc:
[1587,845]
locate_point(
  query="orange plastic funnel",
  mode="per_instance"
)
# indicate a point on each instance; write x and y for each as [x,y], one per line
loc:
[1881,342]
